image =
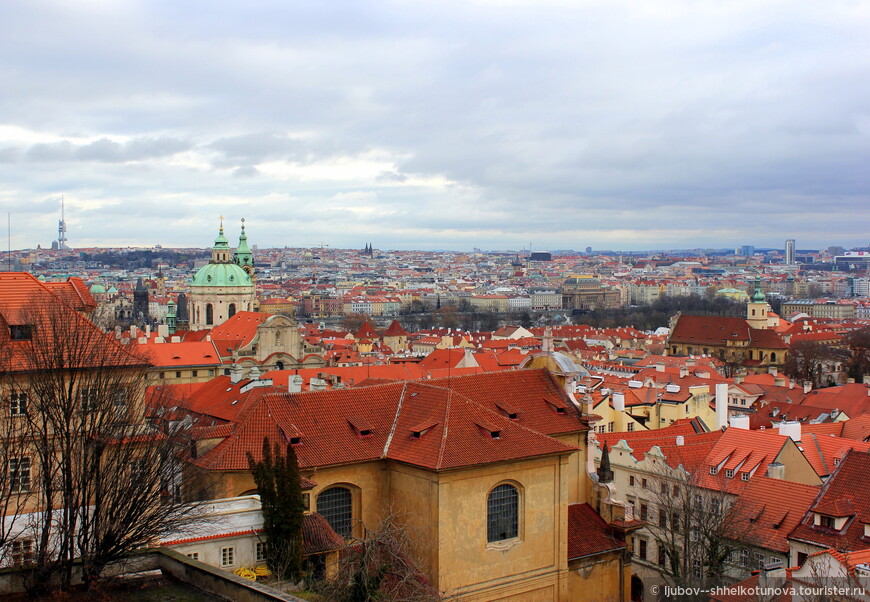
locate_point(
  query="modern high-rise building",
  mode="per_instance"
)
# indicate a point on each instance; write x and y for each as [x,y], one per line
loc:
[789,252]
[746,251]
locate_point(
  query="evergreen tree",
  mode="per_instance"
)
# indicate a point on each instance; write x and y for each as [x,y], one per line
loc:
[278,482]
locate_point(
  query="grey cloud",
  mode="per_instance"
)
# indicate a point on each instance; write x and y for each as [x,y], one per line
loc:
[107,151]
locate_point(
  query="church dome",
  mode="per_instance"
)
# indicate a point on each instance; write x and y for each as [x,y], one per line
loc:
[98,289]
[221,274]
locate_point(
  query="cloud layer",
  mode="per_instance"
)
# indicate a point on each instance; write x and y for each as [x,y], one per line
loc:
[438,125]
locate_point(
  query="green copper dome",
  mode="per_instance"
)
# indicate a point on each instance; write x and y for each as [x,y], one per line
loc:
[97,289]
[221,271]
[221,274]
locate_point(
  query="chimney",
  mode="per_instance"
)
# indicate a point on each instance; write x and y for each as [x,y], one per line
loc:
[133,331]
[163,330]
[680,440]
[772,576]
[738,380]
[866,379]
[773,371]
[254,374]
[660,367]
[721,405]
[779,381]
[790,385]
[317,384]
[790,428]
[684,371]
[741,421]
[235,374]
[776,470]
[294,384]
[808,386]
[147,330]
[619,402]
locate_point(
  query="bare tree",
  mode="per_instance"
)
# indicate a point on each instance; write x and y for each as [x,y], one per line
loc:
[858,344]
[809,361]
[381,566]
[692,527]
[96,479]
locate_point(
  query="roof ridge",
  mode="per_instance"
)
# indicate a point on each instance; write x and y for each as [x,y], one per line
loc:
[443,444]
[395,420]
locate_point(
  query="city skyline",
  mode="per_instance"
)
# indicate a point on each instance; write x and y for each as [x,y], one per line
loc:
[555,125]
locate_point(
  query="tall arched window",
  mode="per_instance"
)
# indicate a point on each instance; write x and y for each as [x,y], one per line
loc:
[502,513]
[232,310]
[336,506]
[773,357]
[209,314]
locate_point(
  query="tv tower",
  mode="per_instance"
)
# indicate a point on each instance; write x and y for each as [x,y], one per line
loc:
[61,228]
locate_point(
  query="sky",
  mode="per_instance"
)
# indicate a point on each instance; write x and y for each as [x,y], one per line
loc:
[493,124]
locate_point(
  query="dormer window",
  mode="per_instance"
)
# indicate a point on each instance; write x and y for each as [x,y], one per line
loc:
[508,410]
[827,522]
[21,332]
[494,432]
[714,470]
[744,476]
[729,473]
[419,430]
[295,440]
[557,406]
[361,426]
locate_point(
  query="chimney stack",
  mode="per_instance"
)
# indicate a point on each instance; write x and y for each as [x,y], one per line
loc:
[741,421]
[294,384]
[790,428]
[721,405]
[619,402]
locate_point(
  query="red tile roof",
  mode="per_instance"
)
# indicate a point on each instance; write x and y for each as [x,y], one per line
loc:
[589,534]
[25,301]
[847,490]
[239,330]
[176,355]
[467,428]
[317,536]
[768,509]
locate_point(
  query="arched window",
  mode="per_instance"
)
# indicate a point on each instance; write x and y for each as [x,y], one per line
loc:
[336,506]
[502,513]
[209,314]
[773,357]
[232,310]
[279,365]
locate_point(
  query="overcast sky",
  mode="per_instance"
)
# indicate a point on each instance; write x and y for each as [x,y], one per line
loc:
[450,125]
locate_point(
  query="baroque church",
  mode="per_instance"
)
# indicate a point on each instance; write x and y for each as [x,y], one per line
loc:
[225,285]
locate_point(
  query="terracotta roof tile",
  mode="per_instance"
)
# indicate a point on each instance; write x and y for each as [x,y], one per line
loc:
[588,533]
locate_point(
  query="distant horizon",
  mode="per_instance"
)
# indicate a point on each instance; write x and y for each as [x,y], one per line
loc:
[726,249]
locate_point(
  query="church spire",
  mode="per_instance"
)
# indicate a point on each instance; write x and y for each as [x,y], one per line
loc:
[220,252]
[243,255]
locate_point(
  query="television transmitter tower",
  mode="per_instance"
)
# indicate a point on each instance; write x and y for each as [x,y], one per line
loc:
[61,228]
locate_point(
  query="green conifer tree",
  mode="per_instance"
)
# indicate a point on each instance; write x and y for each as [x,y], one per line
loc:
[279,486]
